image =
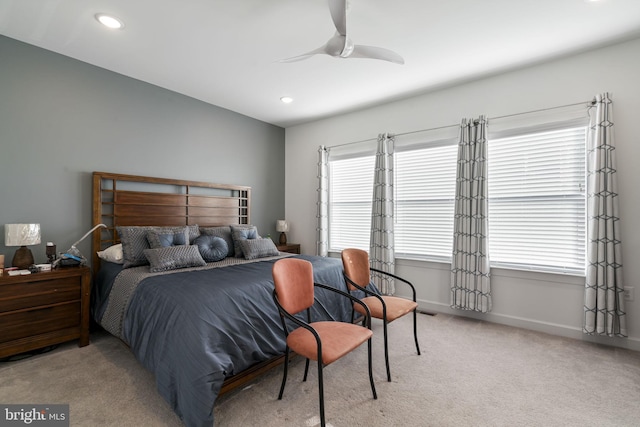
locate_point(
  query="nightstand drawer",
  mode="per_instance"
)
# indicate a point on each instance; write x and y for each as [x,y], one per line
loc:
[18,296]
[28,322]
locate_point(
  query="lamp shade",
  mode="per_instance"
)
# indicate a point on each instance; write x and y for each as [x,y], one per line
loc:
[282,225]
[21,234]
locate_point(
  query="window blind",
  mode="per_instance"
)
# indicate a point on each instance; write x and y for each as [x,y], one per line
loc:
[350,194]
[425,182]
[537,200]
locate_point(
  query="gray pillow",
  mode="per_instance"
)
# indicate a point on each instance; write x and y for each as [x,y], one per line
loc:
[161,239]
[173,257]
[258,248]
[242,232]
[134,242]
[212,248]
[222,232]
[194,232]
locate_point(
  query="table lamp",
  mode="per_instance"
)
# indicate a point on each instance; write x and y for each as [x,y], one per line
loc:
[282,226]
[22,235]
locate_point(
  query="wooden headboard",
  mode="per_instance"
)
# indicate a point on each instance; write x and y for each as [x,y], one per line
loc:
[120,200]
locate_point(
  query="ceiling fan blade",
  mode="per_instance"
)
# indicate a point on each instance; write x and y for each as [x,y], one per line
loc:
[322,49]
[338,9]
[372,52]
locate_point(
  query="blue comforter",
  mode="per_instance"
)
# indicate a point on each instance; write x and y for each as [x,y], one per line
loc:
[195,328]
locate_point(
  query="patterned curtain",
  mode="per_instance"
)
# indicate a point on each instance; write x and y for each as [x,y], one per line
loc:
[470,284]
[604,303]
[322,215]
[381,253]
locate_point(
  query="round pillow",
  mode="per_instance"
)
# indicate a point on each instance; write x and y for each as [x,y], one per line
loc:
[212,248]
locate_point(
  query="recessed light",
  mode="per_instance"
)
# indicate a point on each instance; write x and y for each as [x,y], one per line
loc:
[109,21]
[286,99]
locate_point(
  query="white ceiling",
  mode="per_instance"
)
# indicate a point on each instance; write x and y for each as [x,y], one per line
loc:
[226,52]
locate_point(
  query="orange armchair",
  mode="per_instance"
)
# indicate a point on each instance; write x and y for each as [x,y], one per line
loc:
[357,273]
[323,341]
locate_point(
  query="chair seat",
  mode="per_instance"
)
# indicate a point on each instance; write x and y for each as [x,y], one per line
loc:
[396,307]
[338,339]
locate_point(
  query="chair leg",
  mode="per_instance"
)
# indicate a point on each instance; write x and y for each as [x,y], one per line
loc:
[415,330]
[321,393]
[306,369]
[284,375]
[373,386]
[386,349]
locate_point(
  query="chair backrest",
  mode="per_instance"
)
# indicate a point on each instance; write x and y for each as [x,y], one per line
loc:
[356,266]
[293,279]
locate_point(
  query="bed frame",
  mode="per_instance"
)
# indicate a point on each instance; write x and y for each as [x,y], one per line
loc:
[121,200]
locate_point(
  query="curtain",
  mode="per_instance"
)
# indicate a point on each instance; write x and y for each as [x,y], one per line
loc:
[470,276]
[381,253]
[604,303]
[322,204]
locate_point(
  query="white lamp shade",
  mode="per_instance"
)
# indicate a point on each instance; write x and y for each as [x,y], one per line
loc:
[21,234]
[282,226]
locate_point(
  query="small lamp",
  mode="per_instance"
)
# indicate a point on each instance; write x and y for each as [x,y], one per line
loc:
[22,235]
[282,226]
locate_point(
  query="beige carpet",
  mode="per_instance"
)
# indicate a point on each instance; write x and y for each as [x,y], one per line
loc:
[470,373]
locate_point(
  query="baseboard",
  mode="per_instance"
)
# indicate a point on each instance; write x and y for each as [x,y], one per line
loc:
[567,331]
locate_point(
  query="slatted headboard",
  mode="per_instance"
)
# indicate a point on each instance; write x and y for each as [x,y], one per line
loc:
[120,200]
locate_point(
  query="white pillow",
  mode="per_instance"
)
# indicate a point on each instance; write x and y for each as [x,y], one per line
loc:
[112,254]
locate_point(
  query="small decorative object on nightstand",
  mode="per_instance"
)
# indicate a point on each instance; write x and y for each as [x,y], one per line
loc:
[292,248]
[282,226]
[22,235]
[51,252]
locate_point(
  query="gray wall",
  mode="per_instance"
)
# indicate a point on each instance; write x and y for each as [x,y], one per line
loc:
[62,119]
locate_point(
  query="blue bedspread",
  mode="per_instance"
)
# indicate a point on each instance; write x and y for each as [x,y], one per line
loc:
[193,329]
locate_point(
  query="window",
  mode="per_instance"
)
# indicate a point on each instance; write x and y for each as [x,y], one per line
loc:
[350,194]
[425,185]
[536,199]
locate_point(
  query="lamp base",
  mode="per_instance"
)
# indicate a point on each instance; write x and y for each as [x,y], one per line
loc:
[23,258]
[283,238]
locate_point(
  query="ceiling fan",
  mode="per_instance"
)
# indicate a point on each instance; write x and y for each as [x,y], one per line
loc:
[341,46]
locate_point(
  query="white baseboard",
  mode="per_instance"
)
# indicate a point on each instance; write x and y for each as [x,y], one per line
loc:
[567,331]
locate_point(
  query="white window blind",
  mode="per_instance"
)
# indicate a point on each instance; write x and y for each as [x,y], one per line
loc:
[425,181]
[350,194]
[537,201]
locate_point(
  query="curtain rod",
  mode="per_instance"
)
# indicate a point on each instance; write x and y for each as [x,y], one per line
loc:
[592,102]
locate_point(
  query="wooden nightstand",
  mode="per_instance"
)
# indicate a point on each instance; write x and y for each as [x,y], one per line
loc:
[293,248]
[42,309]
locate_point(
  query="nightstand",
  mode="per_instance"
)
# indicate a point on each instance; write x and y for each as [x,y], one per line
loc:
[42,309]
[293,248]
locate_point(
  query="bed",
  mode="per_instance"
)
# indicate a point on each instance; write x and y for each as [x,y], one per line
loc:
[205,328]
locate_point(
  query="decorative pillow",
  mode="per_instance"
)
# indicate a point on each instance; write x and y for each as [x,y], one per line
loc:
[222,232]
[242,232]
[112,254]
[258,248]
[173,257]
[134,242]
[212,248]
[194,232]
[161,239]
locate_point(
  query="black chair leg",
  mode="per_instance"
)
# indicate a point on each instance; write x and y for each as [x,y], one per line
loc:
[415,330]
[373,386]
[306,370]
[284,375]
[386,350]
[321,393]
